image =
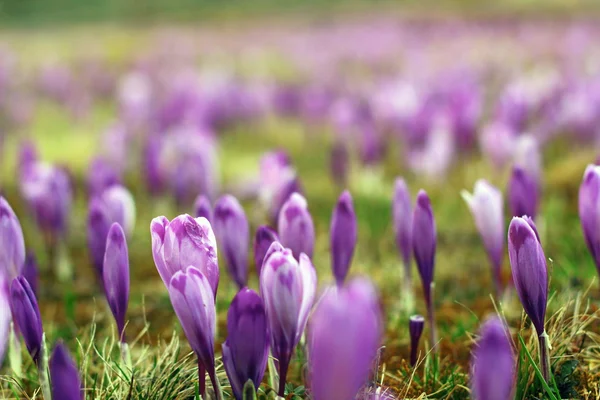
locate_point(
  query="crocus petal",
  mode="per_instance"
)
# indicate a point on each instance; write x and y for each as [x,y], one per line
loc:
[343,236]
[116,275]
[66,383]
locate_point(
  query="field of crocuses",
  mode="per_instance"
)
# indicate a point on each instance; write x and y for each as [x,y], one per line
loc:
[366,208]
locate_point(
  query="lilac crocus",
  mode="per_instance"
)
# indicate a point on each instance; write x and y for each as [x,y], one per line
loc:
[66,384]
[193,301]
[416,323]
[183,242]
[523,193]
[263,239]
[493,349]
[12,256]
[287,287]
[115,276]
[26,313]
[203,208]
[487,208]
[233,236]
[296,228]
[530,276]
[528,157]
[424,243]
[246,350]
[343,236]
[402,221]
[344,336]
[589,211]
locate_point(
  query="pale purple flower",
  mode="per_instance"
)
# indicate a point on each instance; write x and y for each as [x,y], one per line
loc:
[115,276]
[296,229]
[343,236]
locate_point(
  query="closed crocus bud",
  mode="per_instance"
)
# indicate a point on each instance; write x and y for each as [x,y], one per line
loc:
[64,374]
[589,212]
[342,236]
[12,245]
[263,239]
[296,229]
[183,242]
[203,208]
[523,194]
[416,324]
[344,336]
[26,313]
[193,301]
[232,231]
[31,272]
[246,350]
[402,215]
[493,363]
[487,207]
[287,287]
[116,276]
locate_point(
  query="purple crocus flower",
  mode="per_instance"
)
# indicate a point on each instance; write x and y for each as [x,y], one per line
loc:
[31,272]
[287,287]
[278,181]
[416,324]
[296,228]
[402,220]
[12,254]
[183,242]
[523,194]
[192,297]
[339,163]
[232,231]
[343,236]
[344,336]
[115,276]
[64,374]
[203,208]
[100,176]
[263,239]
[26,313]
[246,350]
[487,208]
[527,156]
[493,363]
[589,211]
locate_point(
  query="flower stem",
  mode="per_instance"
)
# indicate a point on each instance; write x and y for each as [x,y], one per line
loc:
[201,380]
[14,355]
[431,317]
[545,356]
[283,370]
[409,302]
[215,382]
[126,355]
[43,370]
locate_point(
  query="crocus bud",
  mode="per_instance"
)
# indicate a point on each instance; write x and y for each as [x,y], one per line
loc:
[246,350]
[523,194]
[193,301]
[12,245]
[31,272]
[232,231]
[529,271]
[263,239]
[288,289]
[342,236]
[202,208]
[183,242]
[493,363]
[116,276]
[424,241]
[402,216]
[296,228]
[416,324]
[64,374]
[486,205]
[589,212]
[26,313]
[344,336]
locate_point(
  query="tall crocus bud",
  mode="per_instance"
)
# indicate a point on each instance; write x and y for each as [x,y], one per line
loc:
[589,211]
[415,328]
[66,383]
[12,245]
[246,350]
[402,215]
[287,287]
[344,336]
[342,236]
[487,207]
[263,239]
[493,363]
[232,231]
[116,276]
[26,313]
[523,193]
[183,242]
[530,275]
[31,272]
[203,208]
[424,243]
[296,228]
[193,301]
